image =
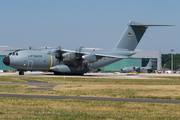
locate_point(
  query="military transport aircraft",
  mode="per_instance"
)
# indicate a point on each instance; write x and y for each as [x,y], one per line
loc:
[62,61]
[138,69]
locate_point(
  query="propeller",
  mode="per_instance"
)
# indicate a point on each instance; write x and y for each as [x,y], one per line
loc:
[79,60]
[59,54]
[79,55]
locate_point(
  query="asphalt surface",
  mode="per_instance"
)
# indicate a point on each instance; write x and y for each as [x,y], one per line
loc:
[90,98]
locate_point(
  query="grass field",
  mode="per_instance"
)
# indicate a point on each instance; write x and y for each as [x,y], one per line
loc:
[153,81]
[21,108]
[164,88]
[25,108]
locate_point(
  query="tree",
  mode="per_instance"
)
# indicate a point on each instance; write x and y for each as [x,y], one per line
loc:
[166,61]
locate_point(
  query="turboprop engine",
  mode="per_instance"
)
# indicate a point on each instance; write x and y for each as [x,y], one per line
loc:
[89,58]
[137,69]
[61,68]
[70,56]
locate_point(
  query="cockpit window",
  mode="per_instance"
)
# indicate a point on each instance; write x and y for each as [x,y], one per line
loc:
[10,54]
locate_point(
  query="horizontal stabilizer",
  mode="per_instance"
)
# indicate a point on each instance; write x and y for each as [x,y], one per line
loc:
[149,25]
[136,24]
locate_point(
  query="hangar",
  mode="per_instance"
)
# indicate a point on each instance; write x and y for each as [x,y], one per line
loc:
[140,59]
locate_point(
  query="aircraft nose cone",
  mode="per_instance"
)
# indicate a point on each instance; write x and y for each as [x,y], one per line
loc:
[6,60]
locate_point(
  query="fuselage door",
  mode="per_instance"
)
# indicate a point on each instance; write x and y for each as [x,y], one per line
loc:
[30,65]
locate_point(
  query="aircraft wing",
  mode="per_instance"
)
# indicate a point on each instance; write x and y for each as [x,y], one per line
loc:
[80,52]
[104,53]
[111,56]
[15,50]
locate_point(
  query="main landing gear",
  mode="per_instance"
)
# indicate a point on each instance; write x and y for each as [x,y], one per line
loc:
[21,72]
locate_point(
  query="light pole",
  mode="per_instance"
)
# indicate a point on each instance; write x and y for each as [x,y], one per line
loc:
[172,59]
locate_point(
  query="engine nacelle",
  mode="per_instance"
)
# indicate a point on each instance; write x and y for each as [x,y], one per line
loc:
[89,58]
[61,68]
[70,56]
[137,69]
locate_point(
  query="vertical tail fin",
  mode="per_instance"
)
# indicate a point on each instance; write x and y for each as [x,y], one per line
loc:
[133,35]
[150,63]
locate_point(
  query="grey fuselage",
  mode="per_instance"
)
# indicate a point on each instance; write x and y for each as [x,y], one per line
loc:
[44,60]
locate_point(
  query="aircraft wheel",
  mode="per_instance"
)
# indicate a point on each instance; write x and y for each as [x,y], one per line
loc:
[149,71]
[80,74]
[21,72]
[57,73]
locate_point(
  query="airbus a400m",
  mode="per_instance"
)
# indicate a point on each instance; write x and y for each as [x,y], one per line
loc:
[62,61]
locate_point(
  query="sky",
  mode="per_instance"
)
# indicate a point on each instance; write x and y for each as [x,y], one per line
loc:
[91,23]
